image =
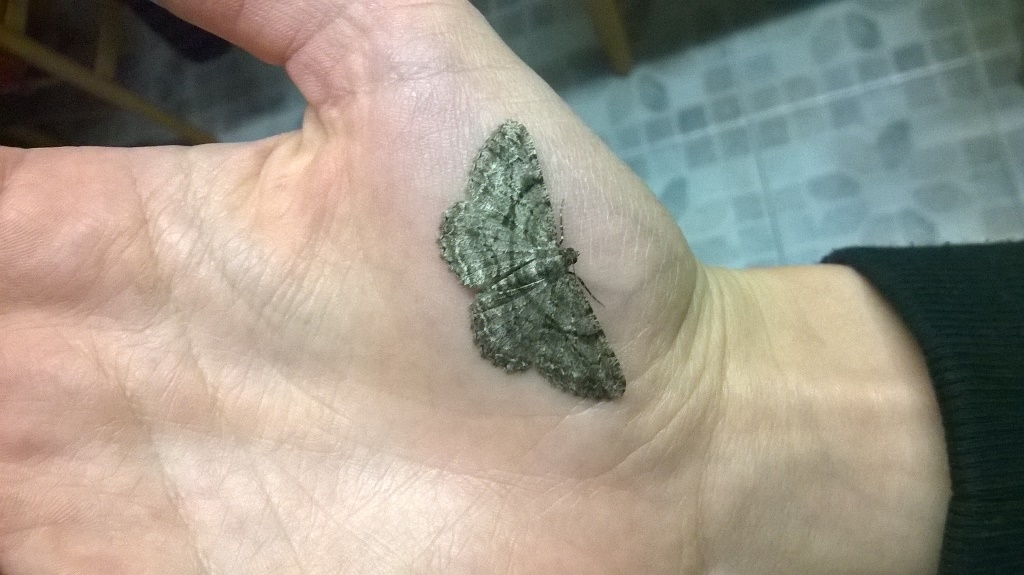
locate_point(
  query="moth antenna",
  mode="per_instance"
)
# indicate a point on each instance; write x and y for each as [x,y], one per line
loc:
[561,238]
[582,283]
[561,224]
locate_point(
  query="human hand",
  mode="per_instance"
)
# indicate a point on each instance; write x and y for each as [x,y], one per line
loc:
[252,359]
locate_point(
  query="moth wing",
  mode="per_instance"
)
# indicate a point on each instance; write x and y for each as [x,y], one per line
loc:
[479,251]
[551,326]
[507,214]
[577,358]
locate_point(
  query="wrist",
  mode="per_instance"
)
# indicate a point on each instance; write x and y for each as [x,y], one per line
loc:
[830,450]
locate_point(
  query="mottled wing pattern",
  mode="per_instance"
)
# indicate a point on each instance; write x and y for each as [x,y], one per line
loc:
[582,363]
[531,310]
[507,214]
[548,323]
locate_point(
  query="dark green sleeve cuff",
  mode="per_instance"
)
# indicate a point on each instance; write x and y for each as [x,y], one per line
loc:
[965,306]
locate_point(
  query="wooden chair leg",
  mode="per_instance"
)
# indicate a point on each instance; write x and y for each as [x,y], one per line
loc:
[14,14]
[611,30]
[108,42]
[70,71]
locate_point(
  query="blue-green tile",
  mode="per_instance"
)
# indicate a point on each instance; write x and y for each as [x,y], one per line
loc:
[700,152]
[910,57]
[692,119]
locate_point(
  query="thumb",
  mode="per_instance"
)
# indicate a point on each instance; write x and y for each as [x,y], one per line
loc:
[334,48]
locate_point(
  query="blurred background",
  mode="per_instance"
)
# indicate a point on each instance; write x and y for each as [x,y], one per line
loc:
[774,130]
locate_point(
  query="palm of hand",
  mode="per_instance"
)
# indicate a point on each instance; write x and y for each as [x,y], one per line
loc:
[251,358]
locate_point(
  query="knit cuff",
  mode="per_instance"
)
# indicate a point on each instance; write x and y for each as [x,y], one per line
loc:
[965,306]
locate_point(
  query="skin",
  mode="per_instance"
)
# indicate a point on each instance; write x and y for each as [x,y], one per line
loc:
[251,358]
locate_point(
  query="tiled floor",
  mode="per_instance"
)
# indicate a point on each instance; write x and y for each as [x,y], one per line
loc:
[885,122]
[774,130]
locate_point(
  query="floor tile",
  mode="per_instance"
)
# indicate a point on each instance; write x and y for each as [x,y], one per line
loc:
[845,123]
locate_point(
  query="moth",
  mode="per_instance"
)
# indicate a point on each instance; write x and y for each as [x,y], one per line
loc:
[531,309]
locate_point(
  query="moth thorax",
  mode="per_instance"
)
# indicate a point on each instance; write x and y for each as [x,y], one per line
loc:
[569,256]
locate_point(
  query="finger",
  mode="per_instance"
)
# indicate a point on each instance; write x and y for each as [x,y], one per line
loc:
[333,47]
[270,30]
